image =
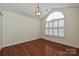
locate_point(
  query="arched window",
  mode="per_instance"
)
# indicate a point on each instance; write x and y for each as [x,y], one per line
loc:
[55,24]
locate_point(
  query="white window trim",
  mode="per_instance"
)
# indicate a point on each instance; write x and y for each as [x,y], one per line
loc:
[55,27]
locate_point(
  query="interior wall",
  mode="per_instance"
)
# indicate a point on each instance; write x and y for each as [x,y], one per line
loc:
[0,32]
[71,28]
[18,28]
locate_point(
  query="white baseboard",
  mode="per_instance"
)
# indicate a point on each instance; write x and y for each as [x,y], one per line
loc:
[6,45]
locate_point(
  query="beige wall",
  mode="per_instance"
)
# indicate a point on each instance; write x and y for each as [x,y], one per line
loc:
[0,31]
[18,28]
[71,28]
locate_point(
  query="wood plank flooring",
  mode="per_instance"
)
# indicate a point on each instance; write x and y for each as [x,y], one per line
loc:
[39,47]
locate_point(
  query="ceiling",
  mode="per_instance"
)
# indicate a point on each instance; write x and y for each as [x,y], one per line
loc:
[28,9]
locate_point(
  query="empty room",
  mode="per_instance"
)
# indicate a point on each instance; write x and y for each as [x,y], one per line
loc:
[39,29]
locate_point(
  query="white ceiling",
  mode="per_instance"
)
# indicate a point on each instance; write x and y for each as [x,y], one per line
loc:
[28,9]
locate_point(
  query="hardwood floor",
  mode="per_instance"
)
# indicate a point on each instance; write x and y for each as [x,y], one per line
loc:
[40,47]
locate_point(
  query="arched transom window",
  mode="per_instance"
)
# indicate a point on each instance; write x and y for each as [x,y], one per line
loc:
[55,24]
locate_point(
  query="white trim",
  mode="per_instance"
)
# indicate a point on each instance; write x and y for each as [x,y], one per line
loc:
[53,25]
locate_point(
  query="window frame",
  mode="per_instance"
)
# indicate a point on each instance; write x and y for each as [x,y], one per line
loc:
[57,25]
